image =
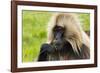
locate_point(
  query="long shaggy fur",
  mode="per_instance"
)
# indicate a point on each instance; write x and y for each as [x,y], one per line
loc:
[73,31]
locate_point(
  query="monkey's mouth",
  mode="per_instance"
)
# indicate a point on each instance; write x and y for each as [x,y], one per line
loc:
[58,44]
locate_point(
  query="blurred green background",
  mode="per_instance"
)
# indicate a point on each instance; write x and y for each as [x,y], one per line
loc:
[35,30]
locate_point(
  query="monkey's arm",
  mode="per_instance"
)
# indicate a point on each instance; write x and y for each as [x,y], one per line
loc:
[44,51]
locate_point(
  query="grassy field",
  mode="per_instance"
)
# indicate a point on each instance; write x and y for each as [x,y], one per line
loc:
[34,32]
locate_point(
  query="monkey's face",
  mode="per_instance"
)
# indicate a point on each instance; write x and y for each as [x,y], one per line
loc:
[58,41]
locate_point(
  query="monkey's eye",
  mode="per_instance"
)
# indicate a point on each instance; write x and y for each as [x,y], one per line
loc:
[58,28]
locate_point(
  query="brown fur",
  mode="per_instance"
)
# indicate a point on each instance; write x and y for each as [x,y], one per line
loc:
[73,34]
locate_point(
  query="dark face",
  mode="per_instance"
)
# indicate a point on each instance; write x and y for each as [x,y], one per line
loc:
[58,37]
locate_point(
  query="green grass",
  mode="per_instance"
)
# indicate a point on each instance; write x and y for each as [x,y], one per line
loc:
[85,21]
[34,32]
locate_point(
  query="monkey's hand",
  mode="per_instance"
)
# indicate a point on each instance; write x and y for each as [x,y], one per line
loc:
[47,48]
[44,51]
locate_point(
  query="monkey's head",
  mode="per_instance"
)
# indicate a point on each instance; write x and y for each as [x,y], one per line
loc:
[64,27]
[59,40]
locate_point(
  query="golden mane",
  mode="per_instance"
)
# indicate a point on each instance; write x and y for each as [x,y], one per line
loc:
[73,31]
